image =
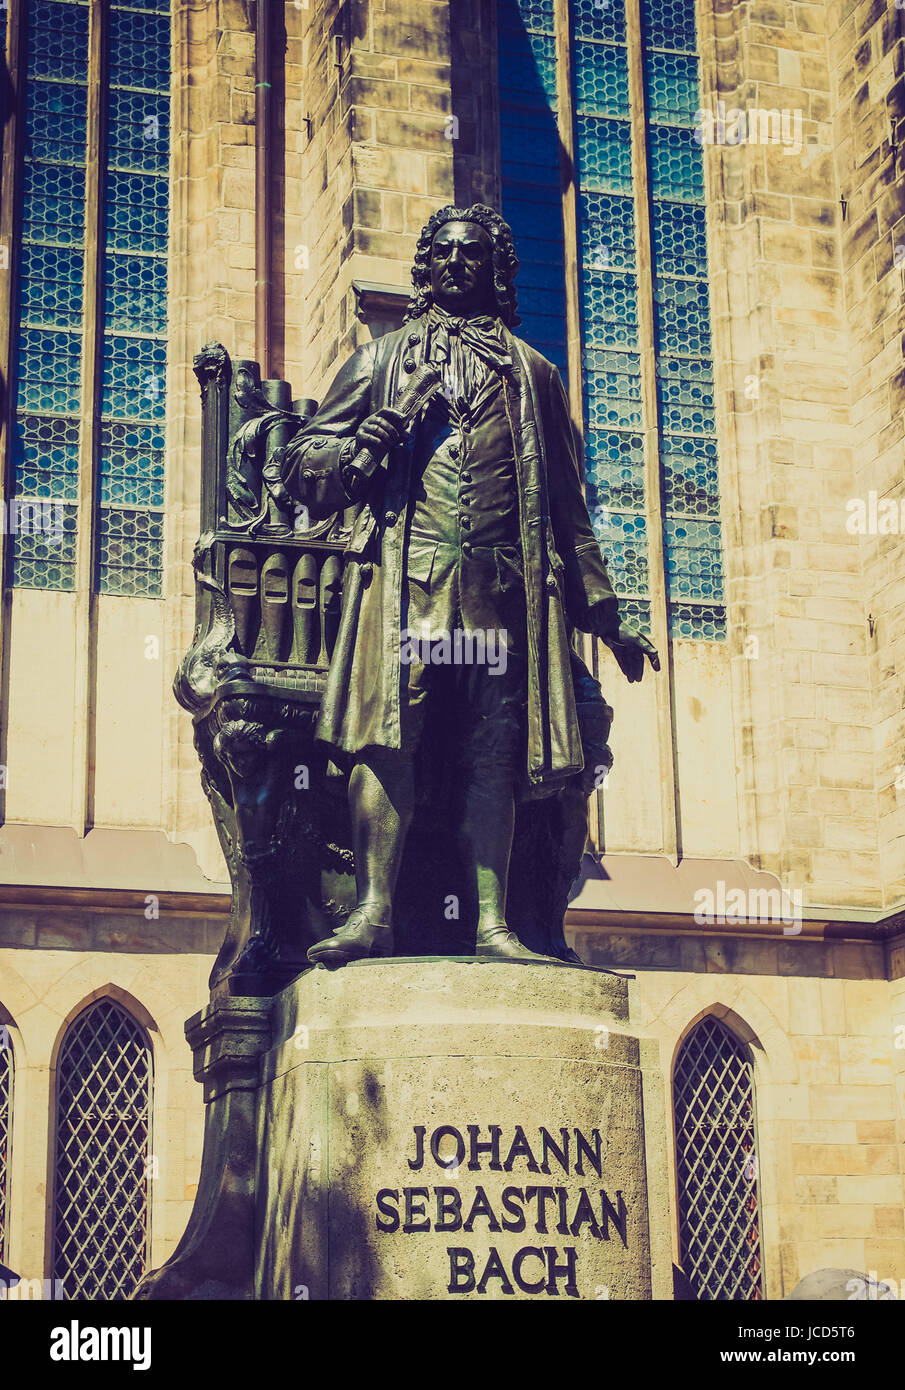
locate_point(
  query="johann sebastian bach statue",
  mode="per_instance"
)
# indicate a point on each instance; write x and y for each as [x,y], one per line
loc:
[452,439]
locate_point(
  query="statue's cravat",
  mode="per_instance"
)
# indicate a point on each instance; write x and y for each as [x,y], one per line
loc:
[466,348]
[481,334]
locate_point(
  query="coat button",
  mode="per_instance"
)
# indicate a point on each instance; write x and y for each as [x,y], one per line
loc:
[466,477]
[391,518]
[466,547]
[551,583]
[414,339]
[465,523]
[454,451]
[366,570]
[409,364]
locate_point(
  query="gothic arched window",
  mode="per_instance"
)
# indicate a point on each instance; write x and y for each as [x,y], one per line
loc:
[716,1165]
[101,1216]
[6,1125]
[88,350]
[602,181]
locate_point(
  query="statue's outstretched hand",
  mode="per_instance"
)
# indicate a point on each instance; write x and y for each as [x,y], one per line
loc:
[630,647]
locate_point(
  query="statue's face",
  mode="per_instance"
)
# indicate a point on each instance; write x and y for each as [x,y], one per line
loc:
[461,268]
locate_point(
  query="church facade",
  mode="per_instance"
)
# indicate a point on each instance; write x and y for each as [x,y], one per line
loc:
[708,204]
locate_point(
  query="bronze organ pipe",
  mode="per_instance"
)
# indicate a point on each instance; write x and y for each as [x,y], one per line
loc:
[305,614]
[278,394]
[242,585]
[275,606]
[331,601]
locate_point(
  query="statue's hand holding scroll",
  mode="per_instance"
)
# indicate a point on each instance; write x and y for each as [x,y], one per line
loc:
[380,433]
[383,430]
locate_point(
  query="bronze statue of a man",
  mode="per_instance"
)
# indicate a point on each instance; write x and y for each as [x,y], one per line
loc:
[470,520]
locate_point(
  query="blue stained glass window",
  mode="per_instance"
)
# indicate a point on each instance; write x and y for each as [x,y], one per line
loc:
[604,129]
[676,169]
[669,24]
[58,42]
[45,441]
[679,238]
[55,115]
[136,213]
[608,288]
[530,164]
[138,132]
[45,454]
[53,196]
[623,536]
[672,86]
[139,50]
[685,384]
[601,78]
[604,149]
[592,19]
[529,61]
[48,381]
[133,368]
[606,228]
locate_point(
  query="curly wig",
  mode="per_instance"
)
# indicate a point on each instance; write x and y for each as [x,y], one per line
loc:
[505,261]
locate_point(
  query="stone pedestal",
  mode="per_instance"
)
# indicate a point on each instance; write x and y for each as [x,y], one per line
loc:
[441,1129]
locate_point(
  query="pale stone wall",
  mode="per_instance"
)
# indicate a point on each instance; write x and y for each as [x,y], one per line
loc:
[866,56]
[896,974]
[51,967]
[378,161]
[817,1018]
[802,703]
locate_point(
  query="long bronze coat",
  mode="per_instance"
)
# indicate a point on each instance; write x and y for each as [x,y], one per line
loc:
[565,576]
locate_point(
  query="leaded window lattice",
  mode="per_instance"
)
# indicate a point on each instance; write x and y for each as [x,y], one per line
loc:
[608,286]
[716,1165]
[6,1121]
[101,1217]
[529,141]
[692,543]
[44,460]
[133,374]
[611,212]
[63,241]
